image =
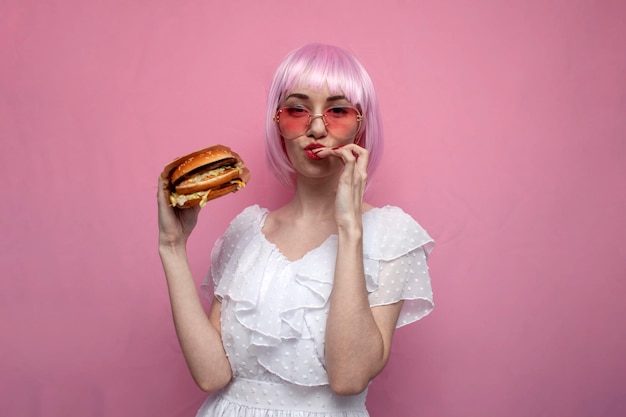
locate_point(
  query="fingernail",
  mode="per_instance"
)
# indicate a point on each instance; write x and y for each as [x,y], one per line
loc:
[338,147]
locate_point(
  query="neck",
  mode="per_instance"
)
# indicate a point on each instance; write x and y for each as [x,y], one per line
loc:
[314,198]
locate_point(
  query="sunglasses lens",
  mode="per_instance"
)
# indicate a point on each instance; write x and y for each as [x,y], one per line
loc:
[342,122]
[293,121]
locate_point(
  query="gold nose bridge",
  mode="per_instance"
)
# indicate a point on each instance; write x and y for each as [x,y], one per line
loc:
[315,116]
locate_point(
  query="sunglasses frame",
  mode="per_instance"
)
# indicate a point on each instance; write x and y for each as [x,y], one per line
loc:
[311,117]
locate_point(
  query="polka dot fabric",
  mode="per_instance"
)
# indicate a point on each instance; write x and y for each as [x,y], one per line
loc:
[274,310]
[396,249]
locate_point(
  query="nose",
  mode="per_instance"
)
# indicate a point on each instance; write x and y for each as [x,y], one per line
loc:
[317,126]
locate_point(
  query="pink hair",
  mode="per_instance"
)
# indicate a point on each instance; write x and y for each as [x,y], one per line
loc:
[317,66]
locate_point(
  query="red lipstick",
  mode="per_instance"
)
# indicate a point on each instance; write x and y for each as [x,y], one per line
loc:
[309,151]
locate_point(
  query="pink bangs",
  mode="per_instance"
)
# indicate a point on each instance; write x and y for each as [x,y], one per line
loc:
[317,67]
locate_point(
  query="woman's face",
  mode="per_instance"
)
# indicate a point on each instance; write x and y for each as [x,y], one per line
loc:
[300,144]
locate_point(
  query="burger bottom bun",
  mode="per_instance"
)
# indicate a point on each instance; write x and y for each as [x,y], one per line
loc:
[200,198]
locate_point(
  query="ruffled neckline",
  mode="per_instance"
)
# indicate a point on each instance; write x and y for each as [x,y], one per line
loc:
[330,239]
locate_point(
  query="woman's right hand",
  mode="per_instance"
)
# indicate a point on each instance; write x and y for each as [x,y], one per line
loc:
[175,225]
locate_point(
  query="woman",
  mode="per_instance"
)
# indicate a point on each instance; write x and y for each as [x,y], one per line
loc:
[305,298]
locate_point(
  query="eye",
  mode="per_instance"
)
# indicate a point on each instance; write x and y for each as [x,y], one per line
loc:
[296,111]
[338,111]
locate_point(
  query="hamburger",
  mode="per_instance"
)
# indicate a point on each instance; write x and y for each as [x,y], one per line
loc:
[205,175]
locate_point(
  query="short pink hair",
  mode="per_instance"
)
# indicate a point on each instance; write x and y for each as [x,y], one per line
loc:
[317,66]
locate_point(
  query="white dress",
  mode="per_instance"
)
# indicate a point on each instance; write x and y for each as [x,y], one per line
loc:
[274,311]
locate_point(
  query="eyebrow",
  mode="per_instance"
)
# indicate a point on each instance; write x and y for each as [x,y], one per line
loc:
[305,97]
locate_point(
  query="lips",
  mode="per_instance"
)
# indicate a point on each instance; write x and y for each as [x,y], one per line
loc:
[309,150]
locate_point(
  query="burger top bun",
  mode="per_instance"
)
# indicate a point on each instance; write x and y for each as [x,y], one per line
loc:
[215,156]
[213,150]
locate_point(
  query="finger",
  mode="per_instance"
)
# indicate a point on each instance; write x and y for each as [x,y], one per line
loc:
[358,151]
[355,155]
[162,184]
[339,152]
[163,192]
[351,150]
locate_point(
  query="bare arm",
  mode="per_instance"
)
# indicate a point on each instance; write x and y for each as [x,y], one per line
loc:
[199,336]
[358,337]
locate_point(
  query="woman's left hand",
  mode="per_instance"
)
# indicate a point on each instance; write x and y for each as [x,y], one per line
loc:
[352,182]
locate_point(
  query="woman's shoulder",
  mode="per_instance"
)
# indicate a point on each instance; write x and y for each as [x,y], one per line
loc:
[389,231]
[388,215]
[247,217]
[252,212]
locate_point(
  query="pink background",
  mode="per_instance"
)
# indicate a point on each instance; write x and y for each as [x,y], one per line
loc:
[506,139]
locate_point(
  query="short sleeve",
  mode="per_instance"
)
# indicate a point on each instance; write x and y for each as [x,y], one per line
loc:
[228,245]
[405,278]
[211,280]
[396,250]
